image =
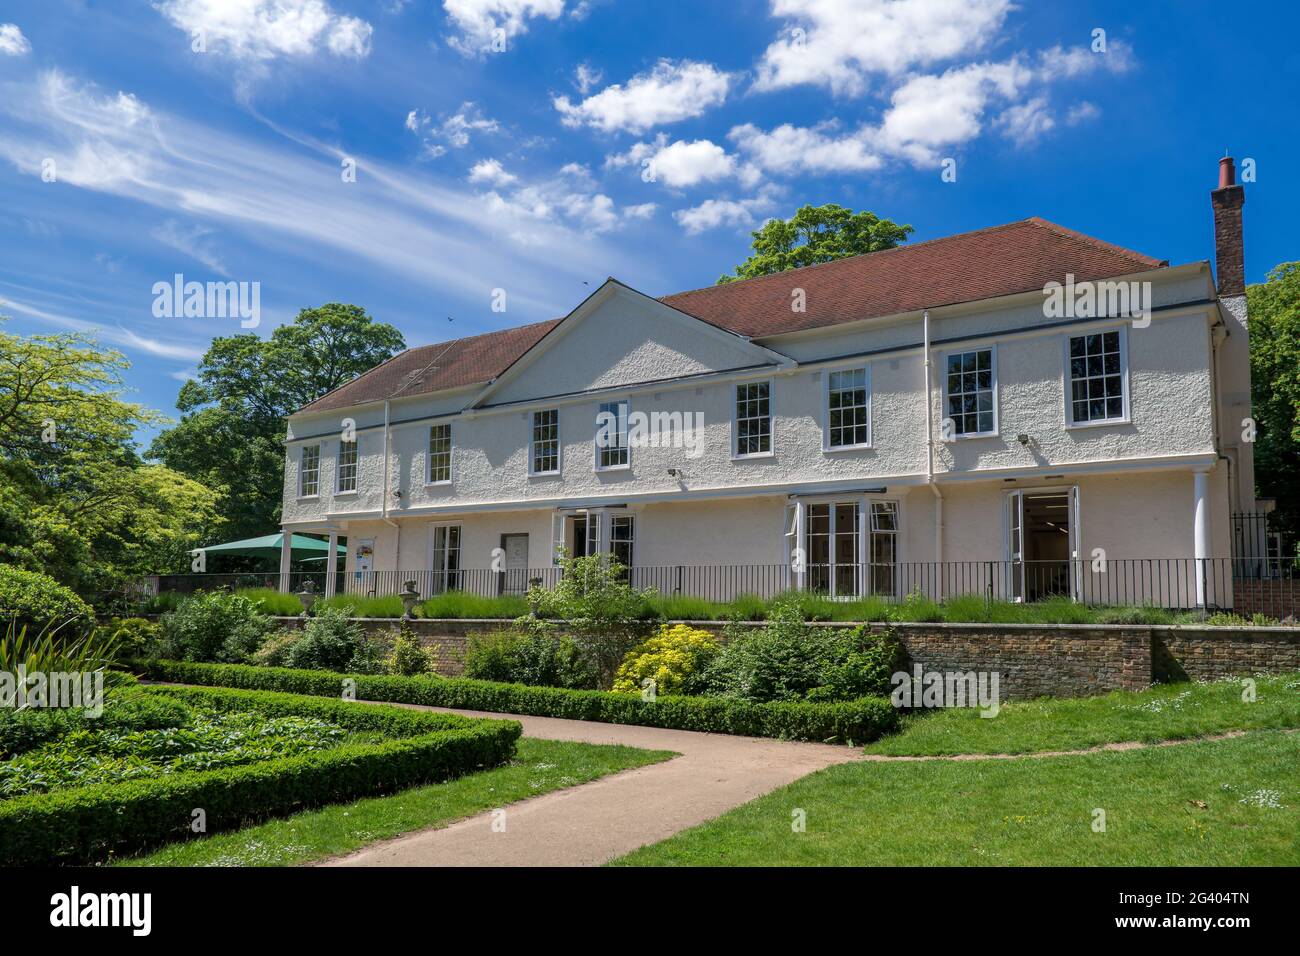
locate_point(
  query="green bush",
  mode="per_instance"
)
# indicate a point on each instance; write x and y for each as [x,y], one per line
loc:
[458,604]
[275,649]
[595,606]
[535,658]
[125,707]
[214,626]
[327,642]
[273,602]
[130,635]
[87,824]
[791,659]
[37,601]
[408,658]
[673,659]
[857,721]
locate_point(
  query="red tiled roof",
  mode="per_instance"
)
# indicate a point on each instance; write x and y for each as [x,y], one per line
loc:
[432,368]
[1001,260]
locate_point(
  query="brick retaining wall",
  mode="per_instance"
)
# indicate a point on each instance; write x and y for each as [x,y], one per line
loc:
[1065,660]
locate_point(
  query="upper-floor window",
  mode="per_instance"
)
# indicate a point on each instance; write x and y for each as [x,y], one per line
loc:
[544,456]
[848,408]
[440,454]
[752,427]
[347,466]
[1098,373]
[611,435]
[309,472]
[972,392]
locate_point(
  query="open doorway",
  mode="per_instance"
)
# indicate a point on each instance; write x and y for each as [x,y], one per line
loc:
[1042,530]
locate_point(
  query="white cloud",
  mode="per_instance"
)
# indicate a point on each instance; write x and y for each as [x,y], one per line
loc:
[491,171]
[454,130]
[930,113]
[666,94]
[791,149]
[644,210]
[713,213]
[677,164]
[266,29]
[839,43]
[585,78]
[1081,113]
[193,242]
[570,198]
[284,195]
[12,41]
[477,21]
[1026,122]
[1067,62]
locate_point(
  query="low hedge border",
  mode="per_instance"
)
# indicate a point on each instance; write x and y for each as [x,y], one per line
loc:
[852,722]
[88,824]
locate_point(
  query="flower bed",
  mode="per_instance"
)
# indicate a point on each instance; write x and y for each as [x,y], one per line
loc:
[856,721]
[369,750]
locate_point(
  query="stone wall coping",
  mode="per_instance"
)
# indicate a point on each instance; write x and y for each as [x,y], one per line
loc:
[956,626]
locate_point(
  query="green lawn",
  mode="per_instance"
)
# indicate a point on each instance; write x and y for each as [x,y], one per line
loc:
[1220,803]
[539,766]
[1165,712]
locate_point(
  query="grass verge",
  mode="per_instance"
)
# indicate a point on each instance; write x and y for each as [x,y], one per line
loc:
[1164,712]
[1216,803]
[540,766]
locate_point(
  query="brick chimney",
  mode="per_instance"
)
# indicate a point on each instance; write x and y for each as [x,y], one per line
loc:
[1229,254]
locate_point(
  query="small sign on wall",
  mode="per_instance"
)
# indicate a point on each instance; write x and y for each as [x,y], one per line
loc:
[363,558]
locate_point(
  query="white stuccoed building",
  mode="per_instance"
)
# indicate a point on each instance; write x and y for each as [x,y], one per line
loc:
[925,417]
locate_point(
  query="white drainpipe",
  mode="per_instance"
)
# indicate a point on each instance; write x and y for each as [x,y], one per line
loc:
[397,547]
[929,464]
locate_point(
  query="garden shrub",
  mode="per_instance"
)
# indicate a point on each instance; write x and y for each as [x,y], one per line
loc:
[275,649]
[87,824]
[214,627]
[672,659]
[38,602]
[130,635]
[327,641]
[856,721]
[408,657]
[790,659]
[532,656]
[597,607]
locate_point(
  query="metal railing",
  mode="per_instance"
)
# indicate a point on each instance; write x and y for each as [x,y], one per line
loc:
[1268,586]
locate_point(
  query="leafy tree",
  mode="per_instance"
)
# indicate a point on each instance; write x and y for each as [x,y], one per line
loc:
[817,234]
[233,414]
[1275,386]
[76,501]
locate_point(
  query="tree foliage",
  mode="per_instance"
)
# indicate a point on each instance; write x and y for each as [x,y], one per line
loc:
[232,427]
[76,501]
[817,234]
[1275,385]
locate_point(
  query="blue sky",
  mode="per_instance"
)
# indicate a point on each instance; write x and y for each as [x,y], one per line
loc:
[609,137]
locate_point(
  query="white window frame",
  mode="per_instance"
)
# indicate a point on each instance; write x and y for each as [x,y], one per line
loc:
[1067,391]
[626,404]
[631,539]
[302,472]
[532,442]
[993,360]
[356,468]
[826,408]
[451,454]
[771,420]
[459,550]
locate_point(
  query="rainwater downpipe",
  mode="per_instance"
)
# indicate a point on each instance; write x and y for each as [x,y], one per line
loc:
[397,550]
[929,464]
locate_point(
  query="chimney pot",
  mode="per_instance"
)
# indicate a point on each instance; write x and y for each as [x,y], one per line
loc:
[1227,173]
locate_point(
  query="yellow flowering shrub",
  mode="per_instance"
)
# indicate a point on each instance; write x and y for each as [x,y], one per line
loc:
[669,658]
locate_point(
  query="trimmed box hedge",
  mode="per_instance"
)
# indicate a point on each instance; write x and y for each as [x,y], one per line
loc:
[857,721]
[86,824]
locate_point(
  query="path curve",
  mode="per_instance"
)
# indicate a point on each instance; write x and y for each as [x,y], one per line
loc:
[599,821]
[609,817]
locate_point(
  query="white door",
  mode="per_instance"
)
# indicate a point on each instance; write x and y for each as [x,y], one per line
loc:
[1016,544]
[514,580]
